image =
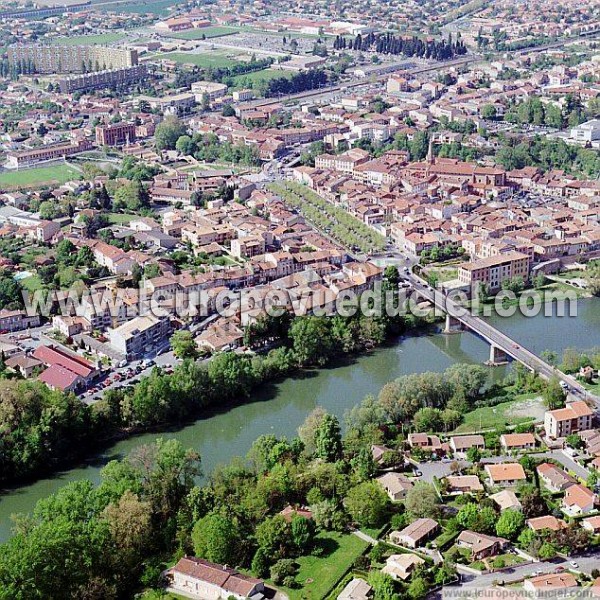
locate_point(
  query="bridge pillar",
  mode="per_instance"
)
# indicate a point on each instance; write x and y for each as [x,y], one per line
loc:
[453,325]
[497,356]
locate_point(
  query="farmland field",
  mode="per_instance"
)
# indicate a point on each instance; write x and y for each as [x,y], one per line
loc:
[55,174]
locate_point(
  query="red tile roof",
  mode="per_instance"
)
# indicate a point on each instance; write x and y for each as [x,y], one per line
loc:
[53,356]
[58,377]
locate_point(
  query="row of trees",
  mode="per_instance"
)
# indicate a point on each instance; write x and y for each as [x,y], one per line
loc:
[335,221]
[389,43]
[300,82]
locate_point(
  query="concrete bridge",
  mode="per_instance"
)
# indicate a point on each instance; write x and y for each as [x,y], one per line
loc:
[502,347]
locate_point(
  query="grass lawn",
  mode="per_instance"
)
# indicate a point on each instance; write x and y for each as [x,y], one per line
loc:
[207,32]
[317,575]
[31,284]
[248,79]
[200,60]
[118,218]
[506,413]
[100,38]
[54,174]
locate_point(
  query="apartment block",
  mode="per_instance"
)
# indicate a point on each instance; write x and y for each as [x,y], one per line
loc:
[59,58]
[26,158]
[576,416]
[493,271]
[139,336]
[112,78]
[116,134]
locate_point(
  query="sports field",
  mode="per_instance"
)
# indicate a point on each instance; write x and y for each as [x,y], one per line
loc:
[251,79]
[54,174]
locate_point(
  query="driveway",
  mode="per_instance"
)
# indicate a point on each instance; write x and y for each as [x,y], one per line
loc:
[439,469]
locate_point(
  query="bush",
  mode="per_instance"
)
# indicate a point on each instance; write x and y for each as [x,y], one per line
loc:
[283,569]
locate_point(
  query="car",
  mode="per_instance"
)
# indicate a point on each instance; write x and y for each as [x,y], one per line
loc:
[122,364]
[574,564]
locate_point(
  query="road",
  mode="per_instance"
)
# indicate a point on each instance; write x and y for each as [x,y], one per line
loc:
[558,455]
[585,564]
[498,339]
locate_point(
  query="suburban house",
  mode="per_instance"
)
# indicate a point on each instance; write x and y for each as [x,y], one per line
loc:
[507,474]
[506,499]
[517,441]
[480,545]
[576,416]
[591,524]
[199,578]
[546,522]
[400,566]
[415,534]
[554,479]
[396,485]
[357,589]
[550,582]
[461,443]
[424,441]
[578,500]
[378,453]
[289,512]
[460,484]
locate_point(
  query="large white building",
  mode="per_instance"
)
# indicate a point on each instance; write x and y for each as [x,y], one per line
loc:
[139,336]
[587,132]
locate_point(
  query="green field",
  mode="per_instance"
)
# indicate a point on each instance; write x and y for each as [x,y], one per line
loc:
[207,32]
[200,60]
[31,284]
[506,413]
[84,40]
[118,218]
[249,80]
[55,174]
[318,575]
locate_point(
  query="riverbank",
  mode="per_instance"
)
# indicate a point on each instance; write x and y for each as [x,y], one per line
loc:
[280,406]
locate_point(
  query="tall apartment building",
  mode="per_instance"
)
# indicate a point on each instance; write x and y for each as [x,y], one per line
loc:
[493,271]
[115,134]
[114,78]
[59,58]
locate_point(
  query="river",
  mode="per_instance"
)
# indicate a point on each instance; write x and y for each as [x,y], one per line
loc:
[280,408]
